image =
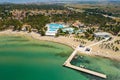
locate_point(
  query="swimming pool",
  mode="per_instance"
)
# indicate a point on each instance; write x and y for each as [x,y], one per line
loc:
[55,26]
[52,28]
[69,29]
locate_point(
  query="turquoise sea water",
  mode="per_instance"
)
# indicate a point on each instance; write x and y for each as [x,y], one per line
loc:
[103,65]
[22,58]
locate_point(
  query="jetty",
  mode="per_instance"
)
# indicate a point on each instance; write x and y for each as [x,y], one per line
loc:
[69,65]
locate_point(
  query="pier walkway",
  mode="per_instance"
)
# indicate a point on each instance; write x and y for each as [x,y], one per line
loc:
[68,64]
[86,70]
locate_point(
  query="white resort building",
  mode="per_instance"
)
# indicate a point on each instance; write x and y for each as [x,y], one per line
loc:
[102,34]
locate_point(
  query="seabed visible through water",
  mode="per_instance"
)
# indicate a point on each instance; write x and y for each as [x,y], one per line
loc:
[22,58]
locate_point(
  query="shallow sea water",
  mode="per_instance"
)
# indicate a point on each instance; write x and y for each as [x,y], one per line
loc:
[22,58]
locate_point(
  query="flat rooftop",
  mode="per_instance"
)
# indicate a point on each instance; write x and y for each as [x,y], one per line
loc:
[102,33]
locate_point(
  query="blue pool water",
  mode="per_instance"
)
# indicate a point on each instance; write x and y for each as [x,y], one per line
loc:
[71,30]
[55,26]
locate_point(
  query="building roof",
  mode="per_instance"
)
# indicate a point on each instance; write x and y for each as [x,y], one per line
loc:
[102,33]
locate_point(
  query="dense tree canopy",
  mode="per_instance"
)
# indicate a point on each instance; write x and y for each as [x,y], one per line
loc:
[90,17]
[36,21]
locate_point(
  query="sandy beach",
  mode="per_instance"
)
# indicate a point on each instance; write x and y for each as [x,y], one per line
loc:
[69,41]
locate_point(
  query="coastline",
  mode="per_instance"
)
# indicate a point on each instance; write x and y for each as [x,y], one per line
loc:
[33,35]
[68,41]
